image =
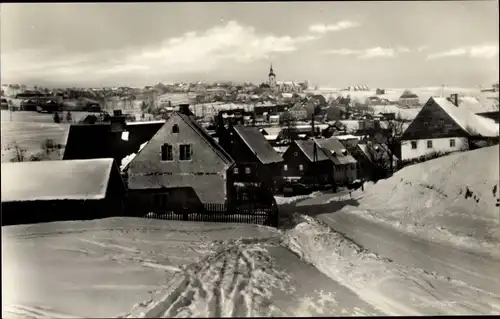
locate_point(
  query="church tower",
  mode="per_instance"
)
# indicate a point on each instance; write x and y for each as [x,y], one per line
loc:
[272,78]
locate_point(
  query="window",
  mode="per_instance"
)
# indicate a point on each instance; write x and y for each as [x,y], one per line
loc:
[429,144]
[426,124]
[186,150]
[235,170]
[167,152]
[301,167]
[175,128]
[353,166]
[247,170]
[441,122]
[452,143]
[296,154]
[285,167]
[413,145]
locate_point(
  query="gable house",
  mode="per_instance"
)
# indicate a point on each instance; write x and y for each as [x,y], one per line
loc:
[256,160]
[306,162]
[181,165]
[443,126]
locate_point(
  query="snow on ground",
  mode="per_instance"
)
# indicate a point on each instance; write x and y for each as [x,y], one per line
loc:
[281,200]
[393,289]
[449,199]
[101,268]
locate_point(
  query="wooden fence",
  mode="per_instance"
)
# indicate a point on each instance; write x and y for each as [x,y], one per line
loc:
[248,213]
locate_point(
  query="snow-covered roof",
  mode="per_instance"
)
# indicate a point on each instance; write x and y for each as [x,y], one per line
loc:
[477,105]
[467,120]
[56,180]
[347,137]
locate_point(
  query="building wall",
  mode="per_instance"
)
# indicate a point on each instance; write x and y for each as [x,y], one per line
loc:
[410,102]
[205,172]
[438,145]
[344,174]
[323,170]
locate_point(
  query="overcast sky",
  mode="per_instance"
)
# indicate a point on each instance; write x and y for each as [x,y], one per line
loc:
[380,44]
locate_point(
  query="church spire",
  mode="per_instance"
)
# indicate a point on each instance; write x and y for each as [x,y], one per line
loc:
[271,71]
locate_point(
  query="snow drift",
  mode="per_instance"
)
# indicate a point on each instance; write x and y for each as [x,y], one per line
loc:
[391,288]
[450,198]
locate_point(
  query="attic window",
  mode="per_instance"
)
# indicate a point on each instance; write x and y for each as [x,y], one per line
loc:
[296,154]
[344,151]
[175,128]
[426,124]
[441,122]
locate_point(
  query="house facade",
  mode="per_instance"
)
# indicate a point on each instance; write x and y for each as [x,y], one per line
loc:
[409,99]
[256,162]
[298,111]
[443,126]
[344,165]
[181,163]
[306,162]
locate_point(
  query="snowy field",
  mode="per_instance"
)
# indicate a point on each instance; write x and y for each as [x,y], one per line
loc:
[165,269]
[131,267]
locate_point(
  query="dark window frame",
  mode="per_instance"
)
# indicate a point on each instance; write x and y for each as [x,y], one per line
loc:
[414,145]
[185,155]
[452,142]
[429,144]
[166,150]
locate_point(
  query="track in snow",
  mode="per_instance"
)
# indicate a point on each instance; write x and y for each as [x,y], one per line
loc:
[237,281]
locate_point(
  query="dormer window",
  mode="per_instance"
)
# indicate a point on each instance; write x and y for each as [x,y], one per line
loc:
[344,151]
[175,128]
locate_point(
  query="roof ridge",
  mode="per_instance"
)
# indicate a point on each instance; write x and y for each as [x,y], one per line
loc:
[205,136]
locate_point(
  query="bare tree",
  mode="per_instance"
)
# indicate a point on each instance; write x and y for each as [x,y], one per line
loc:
[390,136]
[18,152]
[288,122]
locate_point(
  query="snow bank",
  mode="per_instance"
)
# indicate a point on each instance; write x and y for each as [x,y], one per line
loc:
[391,288]
[452,198]
[281,200]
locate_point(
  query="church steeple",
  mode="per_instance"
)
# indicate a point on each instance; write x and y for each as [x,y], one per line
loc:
[272,77]
[271,72]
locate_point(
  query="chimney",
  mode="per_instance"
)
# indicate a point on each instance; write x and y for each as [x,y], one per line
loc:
[454,99]
[184,109]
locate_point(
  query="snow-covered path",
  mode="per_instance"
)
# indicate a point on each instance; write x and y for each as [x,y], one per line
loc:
[393,288]
[473,268]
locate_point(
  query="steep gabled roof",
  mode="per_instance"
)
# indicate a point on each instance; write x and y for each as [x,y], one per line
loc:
[307,147]
[207,138]
[258,144]
[334,149]
[468,121]
[53,180]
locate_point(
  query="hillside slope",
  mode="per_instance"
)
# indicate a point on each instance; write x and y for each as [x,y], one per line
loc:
[452,198]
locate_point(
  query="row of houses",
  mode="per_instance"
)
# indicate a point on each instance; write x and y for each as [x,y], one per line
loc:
[179,162]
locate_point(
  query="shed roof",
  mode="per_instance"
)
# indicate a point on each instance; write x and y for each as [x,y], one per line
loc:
[53,180]
[257,144]
[467,120]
